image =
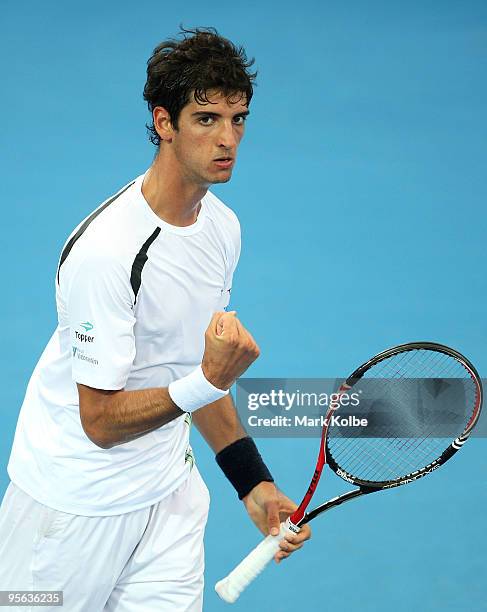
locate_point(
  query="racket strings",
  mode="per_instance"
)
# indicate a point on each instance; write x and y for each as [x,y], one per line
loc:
[380,457]
[412,364]
[374,459]
[414,417]
[382,463]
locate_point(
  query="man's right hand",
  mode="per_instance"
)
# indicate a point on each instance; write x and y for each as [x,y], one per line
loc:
[229,350]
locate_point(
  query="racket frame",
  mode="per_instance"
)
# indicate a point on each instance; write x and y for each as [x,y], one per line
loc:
[366,486]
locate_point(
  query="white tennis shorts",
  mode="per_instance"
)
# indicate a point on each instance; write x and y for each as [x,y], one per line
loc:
[144,561]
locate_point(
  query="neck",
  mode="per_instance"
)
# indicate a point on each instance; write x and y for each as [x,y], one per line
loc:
[171,195]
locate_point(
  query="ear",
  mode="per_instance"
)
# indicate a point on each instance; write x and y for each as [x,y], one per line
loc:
[162,123]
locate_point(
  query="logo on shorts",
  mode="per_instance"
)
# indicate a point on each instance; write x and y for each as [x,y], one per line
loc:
[87,326]
[189,457]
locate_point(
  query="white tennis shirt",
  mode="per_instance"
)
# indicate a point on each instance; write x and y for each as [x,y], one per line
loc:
[134,297]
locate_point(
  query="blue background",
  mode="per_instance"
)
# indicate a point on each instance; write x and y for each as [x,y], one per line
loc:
[361,191]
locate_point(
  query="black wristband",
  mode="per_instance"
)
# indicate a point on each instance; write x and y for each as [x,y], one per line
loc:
[243,466]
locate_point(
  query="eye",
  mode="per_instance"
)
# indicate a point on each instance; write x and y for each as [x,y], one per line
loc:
[206,120]
[240,119]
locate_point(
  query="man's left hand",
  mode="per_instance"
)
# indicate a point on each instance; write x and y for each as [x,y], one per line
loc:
[268,508]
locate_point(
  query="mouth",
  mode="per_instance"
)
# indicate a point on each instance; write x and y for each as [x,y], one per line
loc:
[224,161]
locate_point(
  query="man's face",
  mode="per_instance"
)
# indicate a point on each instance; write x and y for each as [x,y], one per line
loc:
[207,138]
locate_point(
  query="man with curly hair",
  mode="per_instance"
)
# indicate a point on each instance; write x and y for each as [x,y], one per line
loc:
[105,502]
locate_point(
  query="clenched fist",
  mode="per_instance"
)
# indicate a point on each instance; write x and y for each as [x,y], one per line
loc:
[229,350]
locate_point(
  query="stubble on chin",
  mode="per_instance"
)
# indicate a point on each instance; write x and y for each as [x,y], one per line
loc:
[225,179]
[212,179]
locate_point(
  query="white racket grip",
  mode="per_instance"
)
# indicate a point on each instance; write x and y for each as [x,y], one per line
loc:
[230,588]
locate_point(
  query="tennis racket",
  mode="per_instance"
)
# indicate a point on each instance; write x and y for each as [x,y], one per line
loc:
[406,443]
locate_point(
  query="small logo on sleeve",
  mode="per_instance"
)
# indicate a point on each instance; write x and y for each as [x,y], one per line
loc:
[189,457]
[80,354]
[87,326]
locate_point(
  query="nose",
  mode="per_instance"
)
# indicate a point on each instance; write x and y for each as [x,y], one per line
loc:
[227,135]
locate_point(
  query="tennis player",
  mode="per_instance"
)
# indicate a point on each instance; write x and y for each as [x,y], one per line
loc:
[105,502]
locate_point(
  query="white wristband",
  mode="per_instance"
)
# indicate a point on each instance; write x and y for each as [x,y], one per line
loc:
[194,391]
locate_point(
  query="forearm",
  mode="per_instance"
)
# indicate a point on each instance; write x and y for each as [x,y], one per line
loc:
[235,451]
[127,415]
[219,423]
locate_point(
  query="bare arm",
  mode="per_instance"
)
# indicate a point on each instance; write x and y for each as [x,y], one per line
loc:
[219,423]
[114,417]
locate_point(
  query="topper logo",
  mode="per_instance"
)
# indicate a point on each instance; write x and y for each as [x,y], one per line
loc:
[83,337]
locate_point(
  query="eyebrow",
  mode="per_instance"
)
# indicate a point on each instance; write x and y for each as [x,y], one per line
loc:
[209,113]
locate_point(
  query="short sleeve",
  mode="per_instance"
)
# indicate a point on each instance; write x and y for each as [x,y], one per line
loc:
[101,321]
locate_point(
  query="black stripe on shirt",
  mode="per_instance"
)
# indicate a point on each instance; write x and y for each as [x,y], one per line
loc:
[79,233]
[140,261]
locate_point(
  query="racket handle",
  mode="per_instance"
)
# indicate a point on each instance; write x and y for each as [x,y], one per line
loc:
[230,588]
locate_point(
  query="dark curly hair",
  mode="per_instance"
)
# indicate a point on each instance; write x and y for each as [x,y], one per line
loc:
[196,64]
